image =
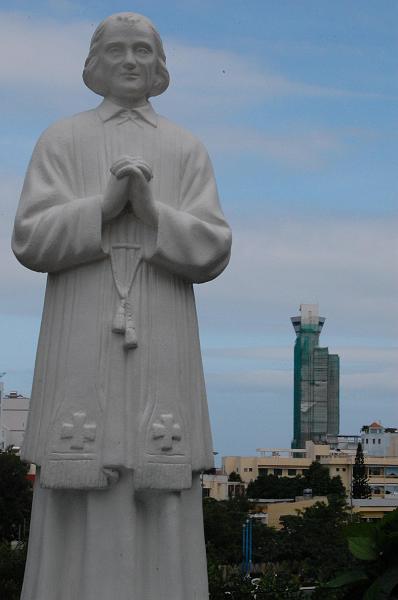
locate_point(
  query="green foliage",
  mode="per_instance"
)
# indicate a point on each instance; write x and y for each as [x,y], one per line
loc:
[314,539]
[15,497]
[362,547]
[278,584]
[223,522]
[12,566]
[272,486]
[316,478]
[310,547]
[234,476]
[360,485]
[324,593]
[233,586]
[375,546]
[275,584]
[384,586]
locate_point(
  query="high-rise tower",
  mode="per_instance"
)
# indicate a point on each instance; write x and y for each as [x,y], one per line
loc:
[316,381]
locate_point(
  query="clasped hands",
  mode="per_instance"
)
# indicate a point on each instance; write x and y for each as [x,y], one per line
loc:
[129,183]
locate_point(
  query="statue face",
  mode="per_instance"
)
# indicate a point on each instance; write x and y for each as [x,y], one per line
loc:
[128,60]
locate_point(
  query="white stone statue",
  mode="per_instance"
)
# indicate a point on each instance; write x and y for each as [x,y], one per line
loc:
[120,207]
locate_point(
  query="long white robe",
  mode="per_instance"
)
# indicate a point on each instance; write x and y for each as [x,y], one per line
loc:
[99,407]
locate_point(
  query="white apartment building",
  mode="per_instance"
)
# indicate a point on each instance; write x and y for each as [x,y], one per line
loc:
[14,410]
[378,440]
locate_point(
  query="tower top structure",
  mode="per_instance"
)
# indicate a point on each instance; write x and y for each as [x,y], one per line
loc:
[309,319]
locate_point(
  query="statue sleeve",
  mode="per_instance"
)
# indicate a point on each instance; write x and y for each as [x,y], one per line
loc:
[55,230]
[194,241]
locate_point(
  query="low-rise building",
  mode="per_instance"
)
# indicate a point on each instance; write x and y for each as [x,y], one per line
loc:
[338,455]
[270,510]
[216,485]
[14,410]
[371,509]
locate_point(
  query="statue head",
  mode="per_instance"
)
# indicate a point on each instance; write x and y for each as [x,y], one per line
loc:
[126,60]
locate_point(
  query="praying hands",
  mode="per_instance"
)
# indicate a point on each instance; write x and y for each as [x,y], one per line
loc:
[129,183]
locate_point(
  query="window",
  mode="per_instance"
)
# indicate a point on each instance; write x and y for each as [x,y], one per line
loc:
[375,471]
[344,469]
[374,441]
[379,441]
[367,441]
[291,472]
[337,468]
[250,469]
[262,471]
[391,471]
[206,492]
[278,472]
[236,489]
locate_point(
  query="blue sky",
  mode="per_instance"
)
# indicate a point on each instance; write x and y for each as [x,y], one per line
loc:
[297,104]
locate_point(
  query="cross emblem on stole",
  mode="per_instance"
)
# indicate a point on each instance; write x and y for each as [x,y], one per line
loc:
[78,431]
[167,431]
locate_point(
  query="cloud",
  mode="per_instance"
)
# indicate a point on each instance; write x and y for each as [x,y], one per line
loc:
[48,56]
[357,355]
[302,150]
[362,368]
[225,74]
[211,91]
[21,289]
[346,264]
[10,189]
[44,53]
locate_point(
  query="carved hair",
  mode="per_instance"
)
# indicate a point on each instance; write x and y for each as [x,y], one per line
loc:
[92,71]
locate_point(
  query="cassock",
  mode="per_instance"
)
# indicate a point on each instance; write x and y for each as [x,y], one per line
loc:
[119,425]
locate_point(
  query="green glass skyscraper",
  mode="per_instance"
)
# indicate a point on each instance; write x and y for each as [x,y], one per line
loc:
[316,381]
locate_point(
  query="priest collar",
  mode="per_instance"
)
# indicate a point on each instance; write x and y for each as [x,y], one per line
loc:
[108,110]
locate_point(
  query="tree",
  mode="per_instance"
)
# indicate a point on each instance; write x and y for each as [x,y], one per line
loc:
[360,485]
[12,567]
[234,587]
[15,497]
[313,540]
[272,486]
[375,548]
[278,583]
[310,547]
[15,505]
[316,477]
[234,476]
[223,521]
